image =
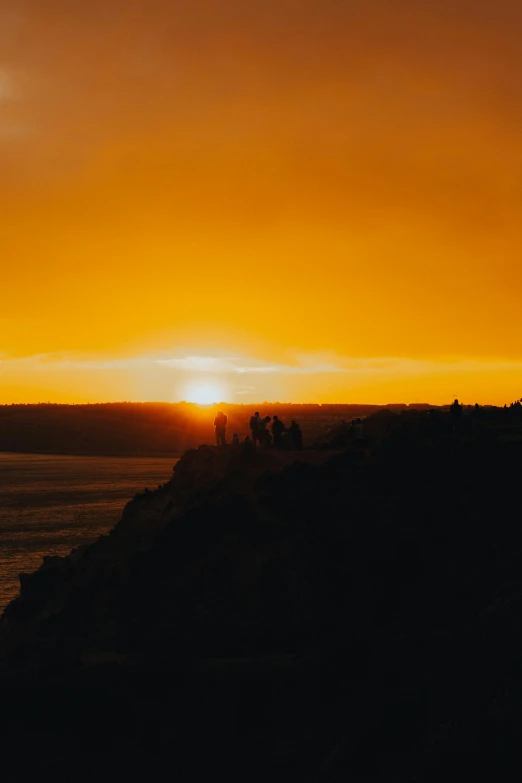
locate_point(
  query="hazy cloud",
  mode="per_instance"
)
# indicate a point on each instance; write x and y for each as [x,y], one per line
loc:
[201,364]
[243,365]
[311,364]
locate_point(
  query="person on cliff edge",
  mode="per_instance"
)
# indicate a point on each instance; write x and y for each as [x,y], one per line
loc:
[456,417]
[220,423]
[277,431]
[255,427]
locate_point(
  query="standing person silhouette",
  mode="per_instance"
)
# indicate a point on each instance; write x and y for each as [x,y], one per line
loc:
[277,431]
[264,436]
[297,436]
[456,416]
[255,427]
[220,423]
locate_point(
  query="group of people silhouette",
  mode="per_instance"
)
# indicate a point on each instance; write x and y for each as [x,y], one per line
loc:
[266,435]
[277,435]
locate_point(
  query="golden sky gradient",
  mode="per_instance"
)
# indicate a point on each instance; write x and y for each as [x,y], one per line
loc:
[292,200]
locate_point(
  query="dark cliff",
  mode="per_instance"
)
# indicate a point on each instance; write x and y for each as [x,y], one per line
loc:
[349,614]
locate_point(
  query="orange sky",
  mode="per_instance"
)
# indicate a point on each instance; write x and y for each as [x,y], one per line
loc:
[291,200]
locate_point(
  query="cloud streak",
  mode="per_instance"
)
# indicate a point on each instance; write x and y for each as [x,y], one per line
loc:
[243,365]
[304,364]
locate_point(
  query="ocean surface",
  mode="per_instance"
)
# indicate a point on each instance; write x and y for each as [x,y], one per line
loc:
[50,504]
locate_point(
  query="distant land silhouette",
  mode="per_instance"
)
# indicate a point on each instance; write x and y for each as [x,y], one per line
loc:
[153,429]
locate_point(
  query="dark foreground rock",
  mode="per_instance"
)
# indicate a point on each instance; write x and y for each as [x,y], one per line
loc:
[350,615]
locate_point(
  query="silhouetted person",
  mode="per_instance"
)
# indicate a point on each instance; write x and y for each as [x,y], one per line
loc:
[297,436]
[235,439]
[264,436]
[287,441]
[358,431]
[456,416]
[277,431]
[248,447]
[255,427]
[220,423]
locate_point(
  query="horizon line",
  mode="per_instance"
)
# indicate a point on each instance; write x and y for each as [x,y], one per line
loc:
[241,404]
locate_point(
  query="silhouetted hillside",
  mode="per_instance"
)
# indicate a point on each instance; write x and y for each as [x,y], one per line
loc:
[350,614]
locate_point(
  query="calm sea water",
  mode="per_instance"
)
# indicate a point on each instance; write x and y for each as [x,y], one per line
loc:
[50,504]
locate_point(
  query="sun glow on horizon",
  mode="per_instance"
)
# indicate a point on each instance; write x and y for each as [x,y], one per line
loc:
[205,393]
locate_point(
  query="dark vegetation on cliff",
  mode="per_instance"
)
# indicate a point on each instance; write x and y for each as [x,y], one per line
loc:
[349,614]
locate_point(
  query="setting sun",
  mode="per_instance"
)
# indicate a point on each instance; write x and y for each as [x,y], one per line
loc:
[205,393]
